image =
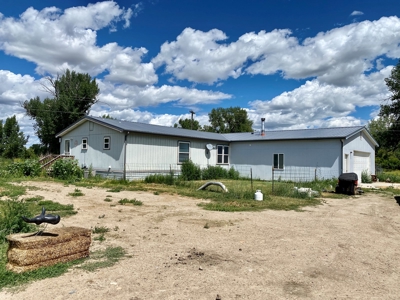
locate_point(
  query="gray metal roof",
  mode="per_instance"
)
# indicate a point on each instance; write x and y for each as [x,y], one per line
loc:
[299,134]
[124,126]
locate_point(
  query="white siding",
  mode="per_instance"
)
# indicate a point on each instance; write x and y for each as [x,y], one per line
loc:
[95,155]
[360,152]
[303,159]
[157,151]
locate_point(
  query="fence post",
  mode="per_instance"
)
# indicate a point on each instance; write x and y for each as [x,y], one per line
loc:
[251,178]
[315,174]
[272,180]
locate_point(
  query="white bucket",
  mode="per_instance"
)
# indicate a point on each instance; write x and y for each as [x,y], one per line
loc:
[258,195]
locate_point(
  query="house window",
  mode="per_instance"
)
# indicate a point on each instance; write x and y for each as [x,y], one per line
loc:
[183,150]
[107,143]
[84,143]
[278,161]
[222,154]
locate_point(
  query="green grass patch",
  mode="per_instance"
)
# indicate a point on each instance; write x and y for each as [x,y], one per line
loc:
[10,190]
[103,259]
[76,193]
[131,201]
[34,199]
[115,190]
[107,199]
[64,210]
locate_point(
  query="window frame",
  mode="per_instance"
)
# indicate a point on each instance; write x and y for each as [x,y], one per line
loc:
[109,143]
[179,151]
[223,155]
[281,161]
[85,143]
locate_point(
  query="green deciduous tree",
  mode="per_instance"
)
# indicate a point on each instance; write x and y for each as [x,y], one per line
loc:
[13,140]
[1,138]
[72,96]
[229,120]
[391,110]
[107,116]
[379,128]
[188,124]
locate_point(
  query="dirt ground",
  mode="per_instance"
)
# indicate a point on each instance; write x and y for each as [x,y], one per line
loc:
[343,249]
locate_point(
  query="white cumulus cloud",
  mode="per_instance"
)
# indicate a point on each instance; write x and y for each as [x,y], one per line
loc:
[356,13]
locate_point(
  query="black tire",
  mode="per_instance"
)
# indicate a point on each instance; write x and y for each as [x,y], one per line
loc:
[353,189]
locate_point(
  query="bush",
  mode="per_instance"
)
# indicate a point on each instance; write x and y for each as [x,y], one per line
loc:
[29,167]
[190,171]
[217,172]
[67,169]
[388,176]
[233,174]
[11,212]
[214,172]
[366,177]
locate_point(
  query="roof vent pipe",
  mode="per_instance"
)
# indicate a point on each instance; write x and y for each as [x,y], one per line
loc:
[262,127]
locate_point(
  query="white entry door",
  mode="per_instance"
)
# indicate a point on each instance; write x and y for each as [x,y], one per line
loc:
[346,163]
[67,149]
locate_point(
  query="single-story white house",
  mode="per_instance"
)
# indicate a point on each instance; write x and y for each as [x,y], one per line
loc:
[130,150]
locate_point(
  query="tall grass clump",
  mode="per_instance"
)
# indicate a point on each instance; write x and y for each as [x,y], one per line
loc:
[67,169]
[190,171]
[160,178]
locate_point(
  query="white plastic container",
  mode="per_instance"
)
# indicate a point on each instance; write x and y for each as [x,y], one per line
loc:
[258,195]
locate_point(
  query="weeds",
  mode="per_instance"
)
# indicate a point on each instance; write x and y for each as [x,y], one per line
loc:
[103,259]
[100,238]
[76,193]
[115,190]
[132,201]
[100,229]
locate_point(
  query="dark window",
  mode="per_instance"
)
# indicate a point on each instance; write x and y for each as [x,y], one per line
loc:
[183,151]
[84,143]
[222,154]
[278,161]
[107,143]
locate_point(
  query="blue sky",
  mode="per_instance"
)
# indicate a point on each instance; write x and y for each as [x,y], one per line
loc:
[299,64]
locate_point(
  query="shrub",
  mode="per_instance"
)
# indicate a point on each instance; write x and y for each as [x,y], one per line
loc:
[366,177]
[67,169]
[233,174]
[11,212]
[190,171]
[214,172]
[388,176]
[29,167]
